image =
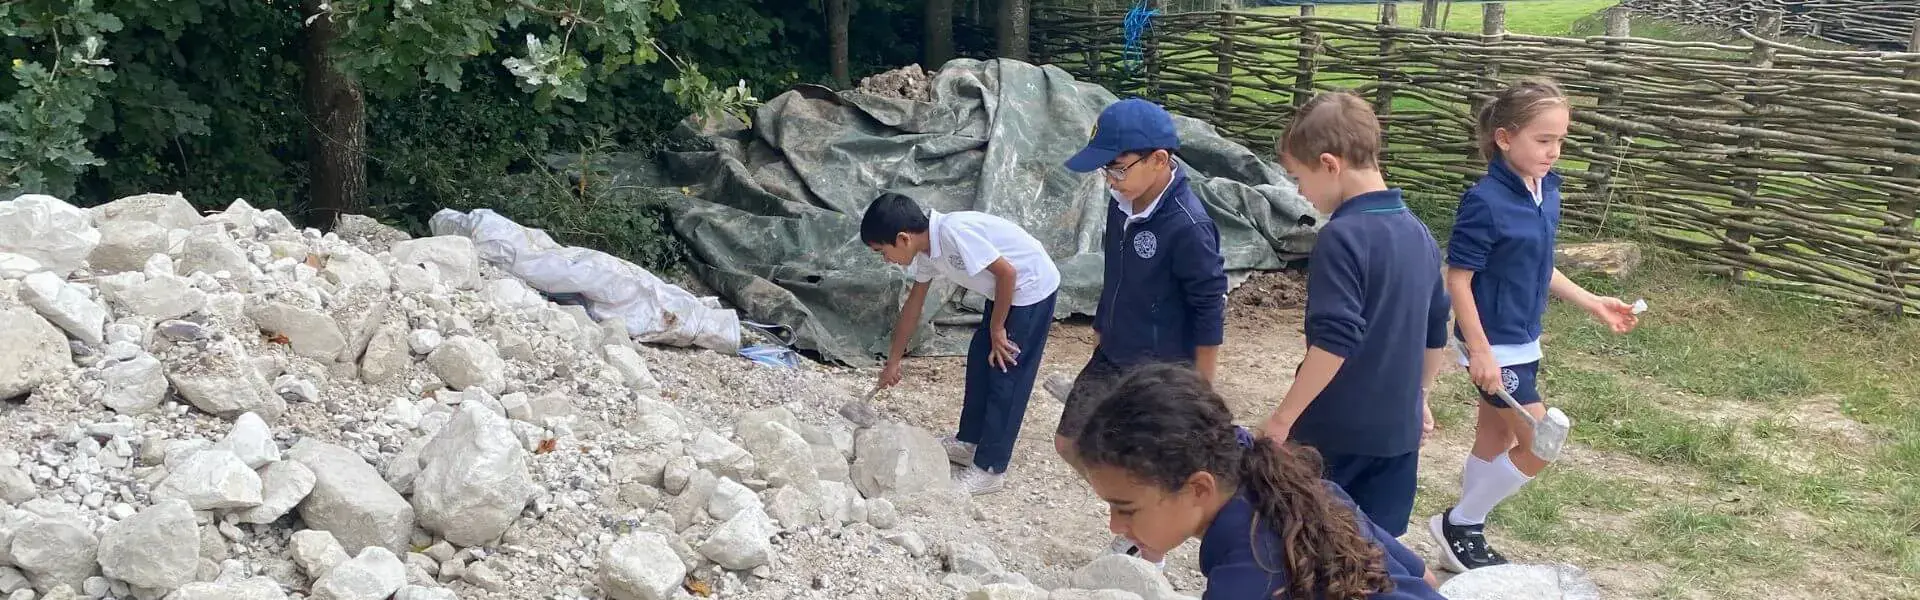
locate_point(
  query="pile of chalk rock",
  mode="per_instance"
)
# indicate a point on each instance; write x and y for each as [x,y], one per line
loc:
[224,406]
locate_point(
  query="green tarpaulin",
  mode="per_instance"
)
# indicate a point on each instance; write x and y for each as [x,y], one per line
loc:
[772,213]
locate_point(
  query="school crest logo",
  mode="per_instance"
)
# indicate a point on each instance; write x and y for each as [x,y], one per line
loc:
[1509,380]
[1145,244]
[958,264]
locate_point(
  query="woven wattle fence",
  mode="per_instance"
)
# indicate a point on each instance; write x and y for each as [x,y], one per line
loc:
[1883,24]
[1776,165]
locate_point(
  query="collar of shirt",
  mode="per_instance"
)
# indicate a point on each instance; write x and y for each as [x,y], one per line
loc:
[933,232]
[1382,201]
[1126,208]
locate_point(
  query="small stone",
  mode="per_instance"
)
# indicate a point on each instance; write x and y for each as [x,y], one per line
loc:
[373,575]
[420,592]
[12,580]
[386,355]
[316,551]
[282,486]
[16,487]
[423,341]
[1007,591]
[32,352]
[741,542]
[960,583]
[1515,581]
[55,551]
[729,498]
[641,566]
[896,460]
[441,551]
[66,305]
[915,545]
[156,548]
[463,362]
[251,441]
[1078,594]
[212,479]
[677,473]
[714,453]
[482,576]
[972,560]
[134,386]
[1127,573]
[402,413]
[451,257]
[350,499]
[880,514]
[631,367]
[256,588]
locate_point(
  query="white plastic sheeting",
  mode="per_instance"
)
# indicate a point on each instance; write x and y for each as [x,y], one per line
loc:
[655,311]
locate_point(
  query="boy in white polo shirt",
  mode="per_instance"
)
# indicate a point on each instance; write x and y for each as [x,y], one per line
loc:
[998,259]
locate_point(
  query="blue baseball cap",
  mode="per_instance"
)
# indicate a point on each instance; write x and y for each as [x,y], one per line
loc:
[1126,126]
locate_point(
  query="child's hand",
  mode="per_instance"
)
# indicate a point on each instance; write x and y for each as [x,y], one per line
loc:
[1484,372]
[1005,354]
[1616,314]
[890,375]
[1426,419]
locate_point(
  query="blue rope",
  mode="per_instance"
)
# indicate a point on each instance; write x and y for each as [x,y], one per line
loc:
[1138,20]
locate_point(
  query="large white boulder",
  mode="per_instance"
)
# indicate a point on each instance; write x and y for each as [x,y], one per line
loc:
[473,479]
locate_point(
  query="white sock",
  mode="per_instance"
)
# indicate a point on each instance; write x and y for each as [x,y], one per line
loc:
[1496,482]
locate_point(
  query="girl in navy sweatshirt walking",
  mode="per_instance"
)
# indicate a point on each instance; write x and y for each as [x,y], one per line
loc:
[1500,272]
[1163,451]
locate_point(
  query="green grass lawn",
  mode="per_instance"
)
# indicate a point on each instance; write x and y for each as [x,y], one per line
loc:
[1531,17]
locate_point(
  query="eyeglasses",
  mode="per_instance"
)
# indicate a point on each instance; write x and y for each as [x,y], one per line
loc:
[1119,174]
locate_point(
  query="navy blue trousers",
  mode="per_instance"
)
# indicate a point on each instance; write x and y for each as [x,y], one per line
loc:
[996,401]
[1382,486]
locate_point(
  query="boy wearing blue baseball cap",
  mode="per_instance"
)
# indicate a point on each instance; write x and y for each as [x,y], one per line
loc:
[1163,298]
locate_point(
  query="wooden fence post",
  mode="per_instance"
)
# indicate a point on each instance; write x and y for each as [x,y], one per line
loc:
[1429,14]
[1610,141]
[1747,184]
[1309,45]
[1383,95]
[1902,207]
[1150,53]
[1223,51]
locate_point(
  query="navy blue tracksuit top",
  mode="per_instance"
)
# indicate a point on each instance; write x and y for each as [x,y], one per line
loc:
[1375,297]
[1165,292]
[1244,559]
[1507,240]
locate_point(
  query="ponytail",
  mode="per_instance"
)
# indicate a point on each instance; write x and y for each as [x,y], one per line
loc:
[1163,423]
[1327,556]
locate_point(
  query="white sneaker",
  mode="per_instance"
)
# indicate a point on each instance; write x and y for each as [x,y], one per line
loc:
[1058,385]
[1122,545]
[958,452]
[978,481]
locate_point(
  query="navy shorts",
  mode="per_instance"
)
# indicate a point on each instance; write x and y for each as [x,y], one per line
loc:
[1522,382]
[1381,486]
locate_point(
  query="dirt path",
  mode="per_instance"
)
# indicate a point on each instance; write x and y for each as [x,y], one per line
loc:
[1049,522]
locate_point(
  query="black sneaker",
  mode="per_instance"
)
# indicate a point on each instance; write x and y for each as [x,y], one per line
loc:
[1464,547]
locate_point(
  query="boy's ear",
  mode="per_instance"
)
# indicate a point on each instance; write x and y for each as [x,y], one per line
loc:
[1329,162]
[903,240]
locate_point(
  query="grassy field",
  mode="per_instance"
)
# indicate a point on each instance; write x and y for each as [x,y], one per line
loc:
[1740,444]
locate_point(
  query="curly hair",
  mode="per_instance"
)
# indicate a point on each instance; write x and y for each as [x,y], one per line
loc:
[1163,423]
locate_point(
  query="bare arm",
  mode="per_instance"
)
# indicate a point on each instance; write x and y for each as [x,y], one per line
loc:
[908,322]
[1315,373]
[1466,314]
[1004,276]
[1565,289]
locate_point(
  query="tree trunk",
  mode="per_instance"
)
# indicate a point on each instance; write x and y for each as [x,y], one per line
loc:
[336,129]
[939,34]
[1013,29]
[837,16]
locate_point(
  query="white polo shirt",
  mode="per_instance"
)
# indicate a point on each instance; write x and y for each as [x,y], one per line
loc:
[961,245]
